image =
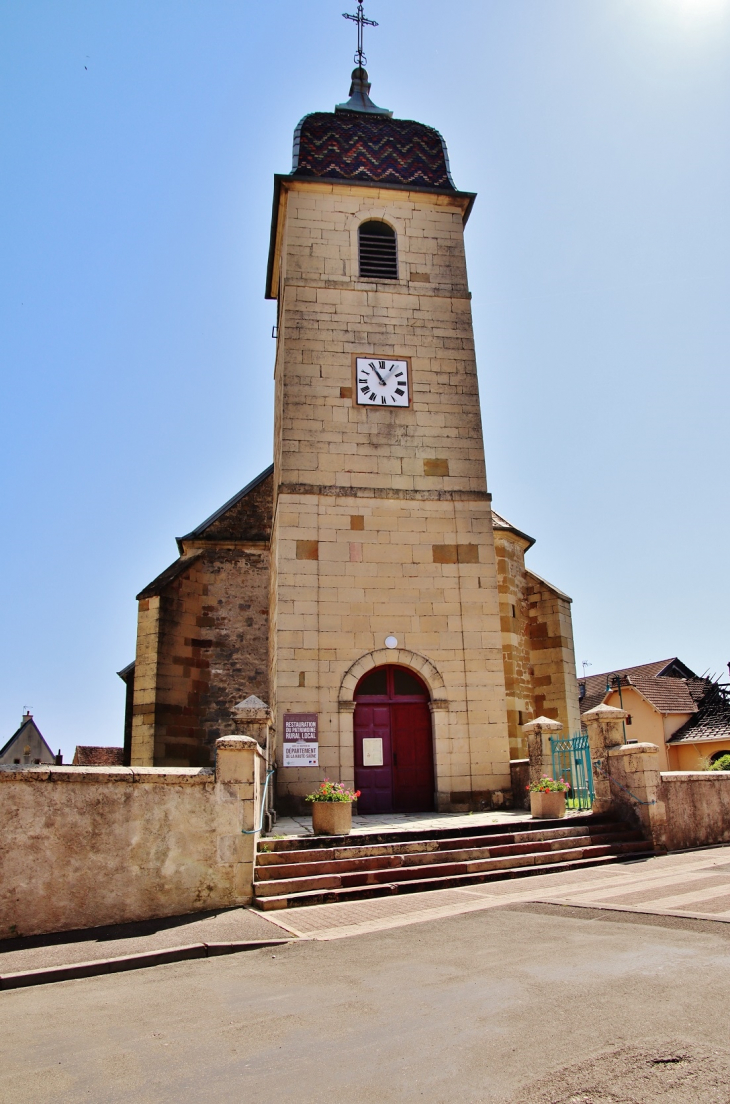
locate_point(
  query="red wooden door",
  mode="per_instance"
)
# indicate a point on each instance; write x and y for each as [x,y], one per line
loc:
[375,783]
[412,757]
[393,743]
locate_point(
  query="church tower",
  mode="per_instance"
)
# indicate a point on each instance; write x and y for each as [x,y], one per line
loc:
[361,585]
[382,549]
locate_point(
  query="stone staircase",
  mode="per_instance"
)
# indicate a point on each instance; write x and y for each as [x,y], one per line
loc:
[314,870]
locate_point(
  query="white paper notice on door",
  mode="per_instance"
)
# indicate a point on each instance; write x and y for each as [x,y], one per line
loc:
[372,752]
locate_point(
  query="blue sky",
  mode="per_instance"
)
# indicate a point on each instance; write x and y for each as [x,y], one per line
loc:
[139,143]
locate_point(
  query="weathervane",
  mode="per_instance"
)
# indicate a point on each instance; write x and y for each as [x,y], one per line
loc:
[360,59]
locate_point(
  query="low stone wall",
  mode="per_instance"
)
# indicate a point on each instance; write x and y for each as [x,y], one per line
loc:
[86,846]
[697,808]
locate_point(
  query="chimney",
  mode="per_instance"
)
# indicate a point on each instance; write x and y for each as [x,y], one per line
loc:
[27,716]
[59,759]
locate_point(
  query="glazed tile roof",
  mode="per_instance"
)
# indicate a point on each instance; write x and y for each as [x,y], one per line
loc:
[372,149]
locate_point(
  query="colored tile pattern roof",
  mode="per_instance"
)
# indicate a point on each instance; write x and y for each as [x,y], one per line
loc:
[98,757]
[371,148]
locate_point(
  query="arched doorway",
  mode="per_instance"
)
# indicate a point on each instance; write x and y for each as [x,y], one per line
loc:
[393,742]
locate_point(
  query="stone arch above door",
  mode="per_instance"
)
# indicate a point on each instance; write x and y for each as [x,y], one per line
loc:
[418,663]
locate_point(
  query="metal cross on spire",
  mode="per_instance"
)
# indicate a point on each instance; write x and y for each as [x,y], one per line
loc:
[360,59]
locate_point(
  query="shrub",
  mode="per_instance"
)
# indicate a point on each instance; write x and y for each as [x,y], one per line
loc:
[723,763]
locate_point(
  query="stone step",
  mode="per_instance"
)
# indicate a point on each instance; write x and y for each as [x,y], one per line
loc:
[398,836]
[335,862]
[441,872]
[347,847]
[329,895]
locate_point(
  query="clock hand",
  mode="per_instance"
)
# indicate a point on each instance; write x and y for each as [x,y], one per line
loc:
[377,373]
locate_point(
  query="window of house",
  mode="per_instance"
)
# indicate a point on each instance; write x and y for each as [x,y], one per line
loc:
[378,251]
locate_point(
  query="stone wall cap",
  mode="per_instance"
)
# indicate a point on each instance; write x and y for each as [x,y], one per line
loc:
[695,776]
[605,713]
[628,749]
[237,743]
[253,709]
[542,724]
[160,775]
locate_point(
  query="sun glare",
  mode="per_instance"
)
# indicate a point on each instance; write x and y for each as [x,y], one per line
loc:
[699,8]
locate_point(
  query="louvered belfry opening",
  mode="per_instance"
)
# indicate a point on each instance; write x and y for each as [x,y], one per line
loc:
[378,251]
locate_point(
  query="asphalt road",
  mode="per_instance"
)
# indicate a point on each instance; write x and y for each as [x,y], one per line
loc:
[527,1003]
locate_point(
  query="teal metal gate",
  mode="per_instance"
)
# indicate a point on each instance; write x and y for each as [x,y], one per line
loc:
[572,762]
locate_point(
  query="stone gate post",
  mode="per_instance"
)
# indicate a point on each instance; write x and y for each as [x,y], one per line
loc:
[637,791]
[240,768]
[255,721]
[538,733]
[605,731]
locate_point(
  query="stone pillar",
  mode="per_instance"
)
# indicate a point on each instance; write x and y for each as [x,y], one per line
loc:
[538,733]
[240,768]
[440,733]
[605,731]
[255,721]
[346,712]
[634,777]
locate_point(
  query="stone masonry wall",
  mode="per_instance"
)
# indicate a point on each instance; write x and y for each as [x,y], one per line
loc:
[697,808]
[512,581]
[552,655]
[88,846]
[205,650]
[202,638]
[383,523]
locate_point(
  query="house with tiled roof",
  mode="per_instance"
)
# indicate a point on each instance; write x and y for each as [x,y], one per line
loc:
[27,747]
[686,715]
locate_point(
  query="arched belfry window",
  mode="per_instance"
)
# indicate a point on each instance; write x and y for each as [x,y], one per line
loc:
[378,252]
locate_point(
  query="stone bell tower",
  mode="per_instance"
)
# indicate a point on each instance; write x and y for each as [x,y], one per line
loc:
[382,545]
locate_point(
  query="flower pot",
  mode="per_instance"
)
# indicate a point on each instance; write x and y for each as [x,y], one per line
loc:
[331,818]
[547,806]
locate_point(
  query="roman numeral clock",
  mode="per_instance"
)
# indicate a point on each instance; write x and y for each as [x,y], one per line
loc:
[381,382]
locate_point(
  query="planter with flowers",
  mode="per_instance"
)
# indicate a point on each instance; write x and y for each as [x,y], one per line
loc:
[547,798]
[332,809]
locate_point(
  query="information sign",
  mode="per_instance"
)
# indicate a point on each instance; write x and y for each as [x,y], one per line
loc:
[301,746]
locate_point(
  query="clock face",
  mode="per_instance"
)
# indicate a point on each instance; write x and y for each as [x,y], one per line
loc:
[381,382]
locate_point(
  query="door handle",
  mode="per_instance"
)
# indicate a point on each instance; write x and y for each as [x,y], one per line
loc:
[395,759]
